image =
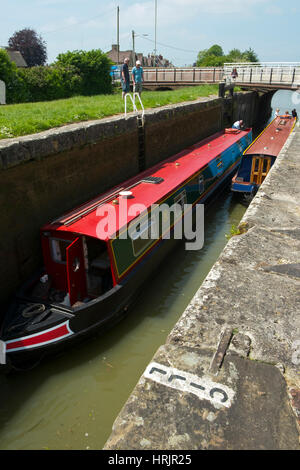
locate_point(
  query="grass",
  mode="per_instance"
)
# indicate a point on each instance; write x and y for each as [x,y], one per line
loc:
[28,118]
[242,228]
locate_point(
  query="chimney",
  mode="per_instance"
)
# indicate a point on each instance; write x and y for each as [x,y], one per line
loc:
[115,47]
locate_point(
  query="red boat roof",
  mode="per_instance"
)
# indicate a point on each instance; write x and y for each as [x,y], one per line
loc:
[273,137]
[174,171]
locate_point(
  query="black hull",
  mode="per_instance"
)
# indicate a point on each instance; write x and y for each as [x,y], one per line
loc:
[98,316]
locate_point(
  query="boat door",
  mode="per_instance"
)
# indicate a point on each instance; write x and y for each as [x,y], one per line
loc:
[260,169]
[76,274]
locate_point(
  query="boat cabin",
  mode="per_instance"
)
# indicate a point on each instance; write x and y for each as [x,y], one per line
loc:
[77,265]
[259,157]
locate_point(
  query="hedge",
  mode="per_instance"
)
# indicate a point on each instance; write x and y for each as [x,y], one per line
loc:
[73,73]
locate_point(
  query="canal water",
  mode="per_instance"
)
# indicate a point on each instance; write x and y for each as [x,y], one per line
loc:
[71,402]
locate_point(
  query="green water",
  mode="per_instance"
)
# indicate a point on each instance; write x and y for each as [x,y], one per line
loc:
[71,402]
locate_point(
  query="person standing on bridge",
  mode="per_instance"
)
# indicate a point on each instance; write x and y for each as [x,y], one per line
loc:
[137,78]
[277,112]
[234,74]
[125,78]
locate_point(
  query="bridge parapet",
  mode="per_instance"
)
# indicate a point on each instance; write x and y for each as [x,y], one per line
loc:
[186,75]
[281,74]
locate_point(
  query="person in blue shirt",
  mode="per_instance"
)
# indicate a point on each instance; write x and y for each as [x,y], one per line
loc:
[137,78]
[238,125]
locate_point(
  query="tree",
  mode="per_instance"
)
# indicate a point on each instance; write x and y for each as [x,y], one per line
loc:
[92,66]
[235,55]
[250,55]
[213,61]
[15,88]
[210,57]
[32,47]
[215,50]
[214,56]
[200,57]
[7,68]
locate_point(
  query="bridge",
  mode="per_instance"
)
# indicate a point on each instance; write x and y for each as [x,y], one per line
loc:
[155,78]
[267,76]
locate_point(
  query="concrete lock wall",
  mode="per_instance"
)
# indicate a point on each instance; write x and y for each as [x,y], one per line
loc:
[47,174]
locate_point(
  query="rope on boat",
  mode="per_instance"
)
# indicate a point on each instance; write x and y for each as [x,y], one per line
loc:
[32,310]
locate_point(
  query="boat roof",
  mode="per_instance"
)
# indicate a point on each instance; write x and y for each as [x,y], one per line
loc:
[273,137]
[168,174]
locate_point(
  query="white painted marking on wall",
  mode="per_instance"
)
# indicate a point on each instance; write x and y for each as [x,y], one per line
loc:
[204,388]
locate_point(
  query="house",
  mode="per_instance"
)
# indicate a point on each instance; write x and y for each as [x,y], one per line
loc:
[118,56]
[157,61]
[151,60]
[16,57]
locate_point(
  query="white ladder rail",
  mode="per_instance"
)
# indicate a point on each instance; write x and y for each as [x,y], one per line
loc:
[138,95]
[133,103]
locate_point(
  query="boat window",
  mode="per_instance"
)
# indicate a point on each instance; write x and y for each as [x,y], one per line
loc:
[181,199]
[141,238]
[265,164]
[201,184]
[58,249]
[241,148]
[256,164]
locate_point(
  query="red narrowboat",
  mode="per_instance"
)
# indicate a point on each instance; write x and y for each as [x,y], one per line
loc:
[92,270]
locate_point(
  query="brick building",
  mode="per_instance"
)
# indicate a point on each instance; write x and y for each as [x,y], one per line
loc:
[148,61]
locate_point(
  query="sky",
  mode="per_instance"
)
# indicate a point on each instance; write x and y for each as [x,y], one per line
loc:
[270,27]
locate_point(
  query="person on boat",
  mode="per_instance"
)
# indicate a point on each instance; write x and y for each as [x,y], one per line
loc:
[277,112]
[294,114]
[125,79]
[238,125]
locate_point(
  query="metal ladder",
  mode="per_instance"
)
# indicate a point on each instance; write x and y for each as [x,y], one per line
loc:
[141,143]
[141,130]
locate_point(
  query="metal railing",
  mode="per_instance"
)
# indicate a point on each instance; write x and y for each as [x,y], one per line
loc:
[271,73]
[183,75]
